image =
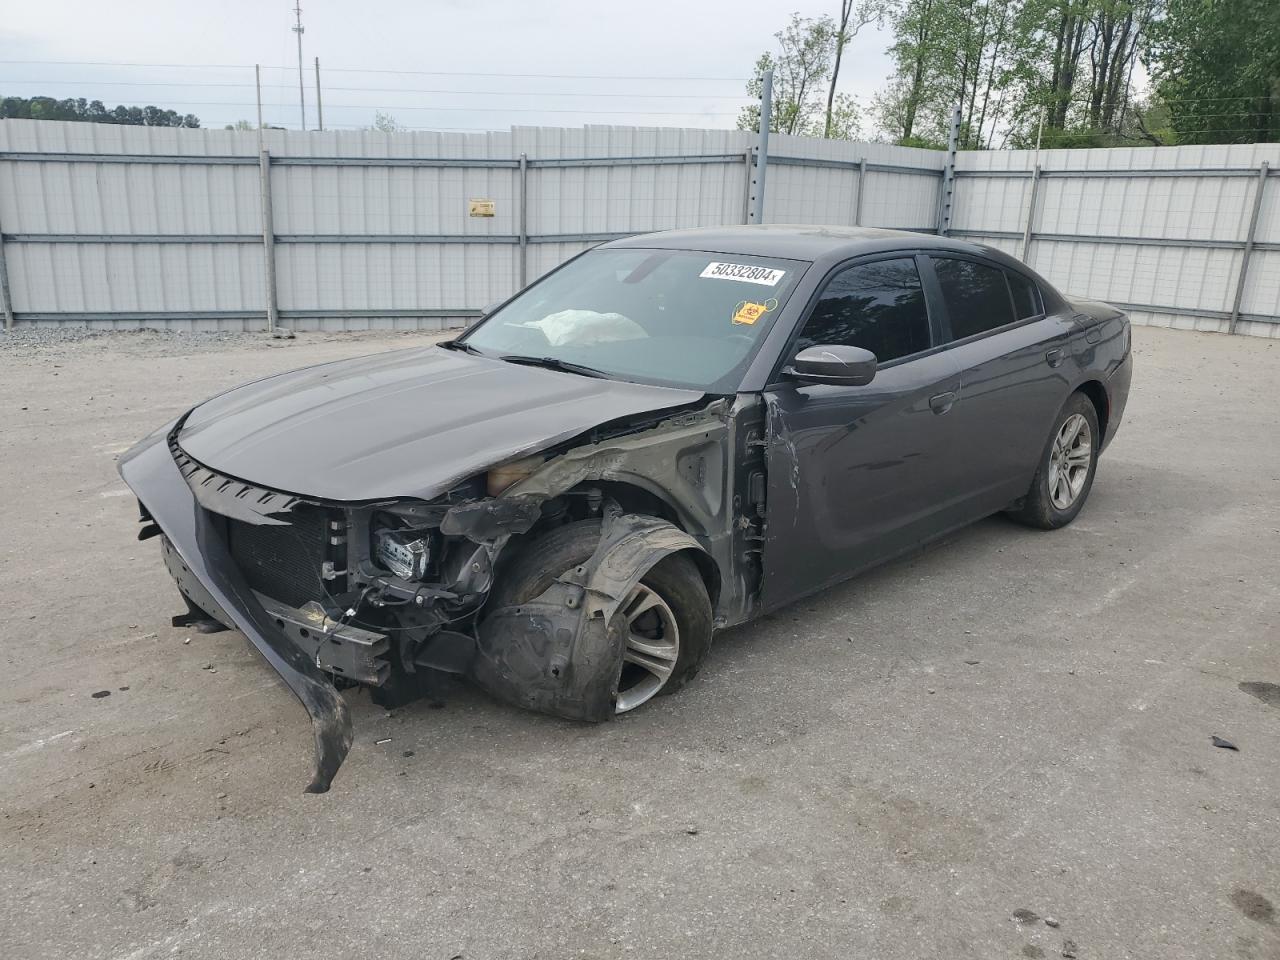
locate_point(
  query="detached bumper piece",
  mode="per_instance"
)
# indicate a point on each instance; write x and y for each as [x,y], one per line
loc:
[201,562]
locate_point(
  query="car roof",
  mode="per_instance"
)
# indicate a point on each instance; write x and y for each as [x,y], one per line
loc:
[798,241]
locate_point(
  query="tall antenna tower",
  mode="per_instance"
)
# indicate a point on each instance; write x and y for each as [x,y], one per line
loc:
[298,28]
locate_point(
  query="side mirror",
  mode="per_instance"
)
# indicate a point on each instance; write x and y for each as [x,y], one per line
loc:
[489,308]
[834,364]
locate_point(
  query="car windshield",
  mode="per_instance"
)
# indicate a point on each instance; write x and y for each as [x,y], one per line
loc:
[669,317]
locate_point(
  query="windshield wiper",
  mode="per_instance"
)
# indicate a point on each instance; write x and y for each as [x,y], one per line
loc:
[455,345]
[555,363]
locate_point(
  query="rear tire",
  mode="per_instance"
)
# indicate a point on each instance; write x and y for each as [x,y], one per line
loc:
[1064,476]
[681,614]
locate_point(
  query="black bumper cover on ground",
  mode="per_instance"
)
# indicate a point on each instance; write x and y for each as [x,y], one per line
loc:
[152,474]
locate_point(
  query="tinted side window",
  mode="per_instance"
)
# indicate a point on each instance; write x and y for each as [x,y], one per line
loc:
[1026,298]
[877,306]
[977,296]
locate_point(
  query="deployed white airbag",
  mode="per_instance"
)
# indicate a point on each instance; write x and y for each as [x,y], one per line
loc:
[585,328]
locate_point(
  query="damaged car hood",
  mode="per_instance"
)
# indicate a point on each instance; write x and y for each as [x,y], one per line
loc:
[409,423]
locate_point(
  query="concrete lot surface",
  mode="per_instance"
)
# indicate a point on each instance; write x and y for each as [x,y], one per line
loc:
[925,762]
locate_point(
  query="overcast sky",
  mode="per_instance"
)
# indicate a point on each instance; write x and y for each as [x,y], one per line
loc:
[618,46]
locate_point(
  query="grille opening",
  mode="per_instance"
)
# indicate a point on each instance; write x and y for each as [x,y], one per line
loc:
[285,561]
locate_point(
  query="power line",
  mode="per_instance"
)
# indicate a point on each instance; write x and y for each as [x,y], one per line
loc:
[369,106]
[538,93]
[418,73]
[117,63]
[535,76]
[461,93]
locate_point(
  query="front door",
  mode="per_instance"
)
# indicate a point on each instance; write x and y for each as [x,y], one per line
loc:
[859,474]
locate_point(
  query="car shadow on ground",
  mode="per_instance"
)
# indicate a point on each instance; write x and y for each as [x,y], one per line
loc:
[901,611]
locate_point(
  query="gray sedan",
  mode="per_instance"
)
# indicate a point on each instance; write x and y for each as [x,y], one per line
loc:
[667,435]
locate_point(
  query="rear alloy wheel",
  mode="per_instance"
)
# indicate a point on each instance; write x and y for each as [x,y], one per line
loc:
[1070,461]
[1067,466]
[667,614]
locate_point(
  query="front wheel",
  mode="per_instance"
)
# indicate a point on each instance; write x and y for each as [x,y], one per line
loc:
[1065,474]
[667,615]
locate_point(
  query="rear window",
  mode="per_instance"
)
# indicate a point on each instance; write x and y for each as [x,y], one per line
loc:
[1026,298]
[977,296]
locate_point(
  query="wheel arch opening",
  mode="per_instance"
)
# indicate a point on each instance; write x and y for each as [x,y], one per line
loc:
[653,502]
[632,498]
[1097,395]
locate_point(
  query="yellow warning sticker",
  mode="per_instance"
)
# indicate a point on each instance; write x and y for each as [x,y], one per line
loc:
[748,312]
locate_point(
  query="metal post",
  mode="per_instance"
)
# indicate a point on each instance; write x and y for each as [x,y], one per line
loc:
[1035,188]
[949,176]
[748,157]
[1031,216]
[268,242]
[524,220]
[862,186]
[298,28]
[319,105]
[6,302]
[762,151]
[1248,246]
[257,82]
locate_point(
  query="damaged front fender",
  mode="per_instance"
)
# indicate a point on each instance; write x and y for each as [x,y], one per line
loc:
[561,652]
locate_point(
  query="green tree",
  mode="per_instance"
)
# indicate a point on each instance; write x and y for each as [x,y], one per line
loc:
[802,63]
[950,53]
[844,119]
[917,61]
[92,111]
[854,15]
[1216,70]
[386,123]
[1011,64]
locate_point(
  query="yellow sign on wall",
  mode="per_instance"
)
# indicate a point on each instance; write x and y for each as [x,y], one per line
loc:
[481,208]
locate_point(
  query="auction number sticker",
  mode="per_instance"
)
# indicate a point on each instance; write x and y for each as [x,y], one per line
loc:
[744,272]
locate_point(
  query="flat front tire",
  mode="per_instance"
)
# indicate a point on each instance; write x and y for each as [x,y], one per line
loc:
[1065,473]
[668,619]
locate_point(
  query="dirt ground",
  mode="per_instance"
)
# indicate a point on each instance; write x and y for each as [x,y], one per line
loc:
[998,748]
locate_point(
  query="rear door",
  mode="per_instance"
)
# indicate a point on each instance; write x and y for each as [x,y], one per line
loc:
[1011,361]
[857,474]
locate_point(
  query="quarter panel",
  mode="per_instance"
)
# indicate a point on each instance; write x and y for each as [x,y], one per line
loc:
[1010,392]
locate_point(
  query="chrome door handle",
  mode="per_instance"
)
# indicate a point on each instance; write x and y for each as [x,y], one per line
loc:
[942,402]
[1053,357]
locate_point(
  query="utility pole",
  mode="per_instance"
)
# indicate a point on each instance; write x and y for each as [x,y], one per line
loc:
[298,28]
[319,107]
[257,83]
